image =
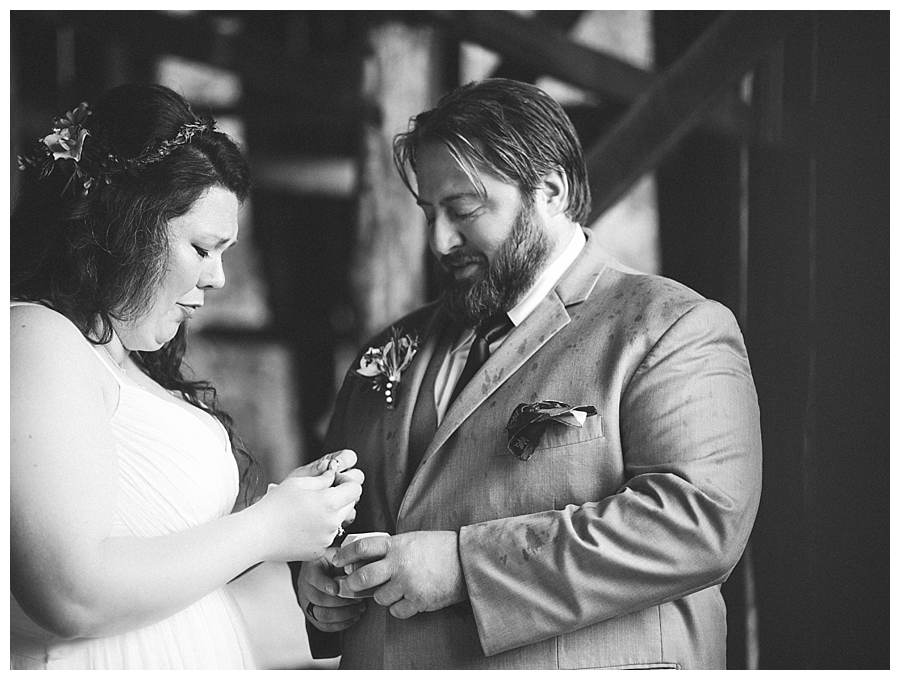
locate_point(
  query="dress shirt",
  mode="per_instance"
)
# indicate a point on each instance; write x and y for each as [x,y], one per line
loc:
[456,358]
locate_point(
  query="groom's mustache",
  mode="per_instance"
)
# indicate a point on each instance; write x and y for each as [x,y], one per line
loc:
[457,259]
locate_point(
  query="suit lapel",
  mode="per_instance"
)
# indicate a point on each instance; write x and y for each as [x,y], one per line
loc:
[398,422]
[521,344]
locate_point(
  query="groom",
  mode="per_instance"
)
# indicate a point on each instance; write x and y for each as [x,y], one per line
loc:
[577,499]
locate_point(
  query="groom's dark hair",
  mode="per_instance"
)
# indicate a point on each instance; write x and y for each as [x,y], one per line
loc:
[510,129]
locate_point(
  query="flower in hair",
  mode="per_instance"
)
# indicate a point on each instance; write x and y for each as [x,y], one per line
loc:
[67,138]
[385,364]
[62,145]
[87,159]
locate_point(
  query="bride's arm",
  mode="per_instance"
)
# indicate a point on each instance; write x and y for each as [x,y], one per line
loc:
[66,571]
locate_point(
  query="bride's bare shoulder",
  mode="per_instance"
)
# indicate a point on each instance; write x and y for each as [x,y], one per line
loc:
[40,334]
[36,316]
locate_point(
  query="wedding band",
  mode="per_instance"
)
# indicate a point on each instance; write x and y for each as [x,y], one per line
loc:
[309,611]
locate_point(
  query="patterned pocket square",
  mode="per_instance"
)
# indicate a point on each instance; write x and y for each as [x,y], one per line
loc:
[528,422]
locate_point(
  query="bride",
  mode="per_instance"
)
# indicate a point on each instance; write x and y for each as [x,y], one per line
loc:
[124,472]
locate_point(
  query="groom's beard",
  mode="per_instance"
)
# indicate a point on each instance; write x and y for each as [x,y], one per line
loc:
[497,286]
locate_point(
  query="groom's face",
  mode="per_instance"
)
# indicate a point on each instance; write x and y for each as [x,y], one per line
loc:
[490,247]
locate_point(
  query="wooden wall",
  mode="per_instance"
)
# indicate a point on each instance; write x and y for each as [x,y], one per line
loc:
[815,303]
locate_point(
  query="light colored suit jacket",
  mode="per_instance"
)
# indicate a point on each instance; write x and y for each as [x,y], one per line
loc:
[608,546]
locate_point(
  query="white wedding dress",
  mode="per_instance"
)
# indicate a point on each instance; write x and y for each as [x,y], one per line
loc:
[175,472]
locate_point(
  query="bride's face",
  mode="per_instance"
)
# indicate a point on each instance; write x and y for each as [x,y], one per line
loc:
[197,241]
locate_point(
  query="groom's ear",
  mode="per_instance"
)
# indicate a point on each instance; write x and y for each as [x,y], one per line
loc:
[554,192]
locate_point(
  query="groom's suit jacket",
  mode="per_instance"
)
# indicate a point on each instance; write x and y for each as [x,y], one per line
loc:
[608,546]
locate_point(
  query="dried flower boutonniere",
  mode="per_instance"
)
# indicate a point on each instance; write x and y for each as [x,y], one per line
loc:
[385,364]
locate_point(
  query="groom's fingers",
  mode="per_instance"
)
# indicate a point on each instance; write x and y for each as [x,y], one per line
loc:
[350,611]
[320,585]
[326,627]
[317,585]
[404,609]
[370,575]
[389,593]
[365,549]
[333,619]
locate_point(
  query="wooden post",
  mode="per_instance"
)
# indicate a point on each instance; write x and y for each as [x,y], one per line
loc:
[400,77]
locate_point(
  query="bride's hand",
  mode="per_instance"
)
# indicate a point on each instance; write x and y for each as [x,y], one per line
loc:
[342,463]
[300,517]
[338,461]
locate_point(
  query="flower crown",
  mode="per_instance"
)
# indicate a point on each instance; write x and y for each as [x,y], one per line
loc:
[72,148]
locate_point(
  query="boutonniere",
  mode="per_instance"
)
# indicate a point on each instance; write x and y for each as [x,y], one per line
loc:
[385,364]
[528,422]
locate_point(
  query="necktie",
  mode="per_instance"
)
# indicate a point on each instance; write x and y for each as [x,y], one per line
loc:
[495,327]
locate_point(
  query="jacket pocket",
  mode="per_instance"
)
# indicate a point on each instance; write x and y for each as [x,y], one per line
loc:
[558,438]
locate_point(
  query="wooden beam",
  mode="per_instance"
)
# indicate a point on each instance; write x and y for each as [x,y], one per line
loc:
[560,20]
[680,97]
[550,51]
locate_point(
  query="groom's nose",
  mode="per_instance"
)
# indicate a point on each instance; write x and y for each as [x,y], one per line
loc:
[444,237]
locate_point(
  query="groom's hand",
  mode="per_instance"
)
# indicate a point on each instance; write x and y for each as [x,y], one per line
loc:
[418,572]
[316,595]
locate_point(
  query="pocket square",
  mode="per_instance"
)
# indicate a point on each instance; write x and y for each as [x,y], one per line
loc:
[528,423]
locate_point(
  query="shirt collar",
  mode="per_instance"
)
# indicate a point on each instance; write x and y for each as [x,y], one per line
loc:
[541,288]
[548,279]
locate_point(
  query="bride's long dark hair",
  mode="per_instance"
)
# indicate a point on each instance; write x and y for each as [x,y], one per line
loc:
[101,256]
